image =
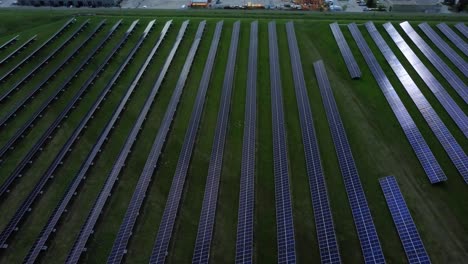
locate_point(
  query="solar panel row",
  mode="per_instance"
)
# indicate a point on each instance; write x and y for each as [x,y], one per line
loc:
[409,236]
[455,112]
[88,227]
[20,133]
[453,37]
[438,63]
[207,217]
[328,245]
[245,215]
[453,149]
[48,76]
[18,50]
[52,222]
[284,216]
[32,54]
[9,42]
[166,226]
[421,149]
[44,62]
[40,185]
[445,48]
[370,244]
[463,29]
[27,159]
[348,57]
[123,236]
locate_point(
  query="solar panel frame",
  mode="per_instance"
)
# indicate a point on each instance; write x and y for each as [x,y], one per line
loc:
[88,227]
[451,54]
[452,108]
[453,37]
[245,217]
[369,240]
[27,159]
[126,228]
[463,29]
[448,142]
[168,219]
[424,154]
[9,42]
[409,236]
[53,220]
[44,44]
[18,50]
[206,222]
[25,206]
[348,56]
[457,84]
[326,236]
[284,217]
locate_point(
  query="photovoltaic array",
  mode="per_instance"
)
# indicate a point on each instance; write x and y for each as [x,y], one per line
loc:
[49,228]
[88,227]
[123,236]
[370,244]
[348,57]
[245,218]
[445,48]
[284,216]
[328,245]
[458,85]
[453,37]
[455,112]
[166,226]
[409,236]
[421,149]
[25,207]
[207,217]
[463,29]
[451,146]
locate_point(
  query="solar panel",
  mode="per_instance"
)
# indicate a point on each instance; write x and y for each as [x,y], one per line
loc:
[453,37]
[284,216]
[119,163]
[49,228]
[348,57]
[445,48]
[434,85]
[44,62]
[463,29]
[438,63]
[207,217]
[328,245]
[125,231]
[370,244]
[27,159]
[245,217]
[32,54]
[18,50]
[453,149]
[9,42]
[409,236]
[166,226]
[421,149]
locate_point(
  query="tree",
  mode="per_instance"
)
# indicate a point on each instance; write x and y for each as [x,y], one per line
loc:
[370,3]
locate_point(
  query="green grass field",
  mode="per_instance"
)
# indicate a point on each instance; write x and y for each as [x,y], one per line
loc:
[379,145]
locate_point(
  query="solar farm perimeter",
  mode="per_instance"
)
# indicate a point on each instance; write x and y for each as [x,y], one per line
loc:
[222,137]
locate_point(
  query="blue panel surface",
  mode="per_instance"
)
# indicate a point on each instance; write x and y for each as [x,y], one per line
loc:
[370,244]
[409,236]
[348,57]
